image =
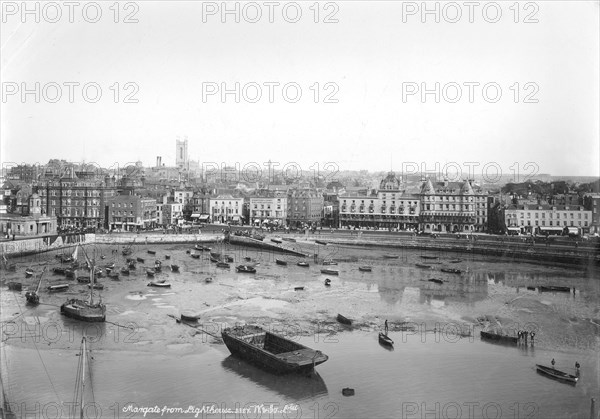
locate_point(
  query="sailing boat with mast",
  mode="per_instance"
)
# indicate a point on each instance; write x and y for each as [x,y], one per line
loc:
[8,266]
[80,381]
[33,297]
[85,310]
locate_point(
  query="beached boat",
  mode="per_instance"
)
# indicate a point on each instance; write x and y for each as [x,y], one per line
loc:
[320,242]
[215,255]
[214,260]
[495,337]
[330,272]
[270,351]
[428,257]
[348,391]
[303,264]
[125,271]
[245,269]
[141,260]
[150,272]
[114,275]
[436,280]
[455,260]
[276,240]
[167,257]
[160,284]
[424,266]
[551,288]
[84,279]
[365,268]
[557,374]
[151,252]
[248,259]
[223,265]
[195,255]
[174,268]
[190,317]
[33,296]
[344,320]
[228,258]
[70,273]
[208,280]
[97,286]
[58,287]
[28,272]
[390,256]
[329,262]
[451,270]
[131,265]
[59,270]
[86,310]
[288,239]
[385,340]
[280,262]
[298,288]
[14,286]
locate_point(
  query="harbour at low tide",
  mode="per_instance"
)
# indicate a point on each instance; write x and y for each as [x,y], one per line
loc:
[438,363]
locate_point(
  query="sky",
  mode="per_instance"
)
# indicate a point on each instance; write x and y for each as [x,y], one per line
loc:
[354,73]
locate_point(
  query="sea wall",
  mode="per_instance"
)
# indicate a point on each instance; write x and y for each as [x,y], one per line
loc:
[143,239]
[247,241]
[25,247]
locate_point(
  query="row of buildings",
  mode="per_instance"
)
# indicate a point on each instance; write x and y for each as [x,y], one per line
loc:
[80,199]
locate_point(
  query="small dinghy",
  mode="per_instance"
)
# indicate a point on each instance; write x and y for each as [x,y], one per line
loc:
[303,264]
[365,268]
[385,340]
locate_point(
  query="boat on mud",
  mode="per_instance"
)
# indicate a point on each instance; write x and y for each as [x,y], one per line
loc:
[330,272]
[280,262]
[451,270]
[224,265]
[344,320]
[174,268]
[365,268]
[423,266]
[303,264]
[245,269]
[428,257]
[270,351]
[552,288]
[390,256]
[160,284]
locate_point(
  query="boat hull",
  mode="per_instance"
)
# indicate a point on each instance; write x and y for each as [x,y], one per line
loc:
[556,374]
[499,338]
[292,357]
[78,310]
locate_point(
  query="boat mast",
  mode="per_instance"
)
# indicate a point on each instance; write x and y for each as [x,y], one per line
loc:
[93,268]
[83,356]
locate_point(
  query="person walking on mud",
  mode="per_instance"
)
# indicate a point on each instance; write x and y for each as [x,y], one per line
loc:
[386,327]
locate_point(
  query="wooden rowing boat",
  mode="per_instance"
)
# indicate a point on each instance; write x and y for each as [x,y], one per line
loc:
[385,340]
[451,270]
[344,320]
[303,264]
[159,284]
[280,262]
[365,268]
[495,337]
[557,374]
[330,272]
[270,351]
